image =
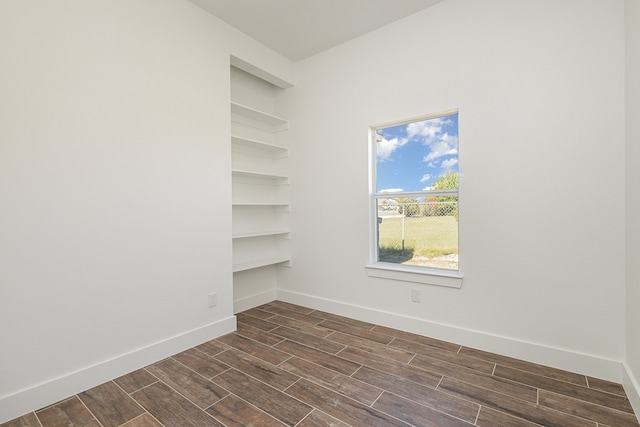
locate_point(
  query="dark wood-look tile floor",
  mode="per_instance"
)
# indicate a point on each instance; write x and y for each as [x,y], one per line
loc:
[288,365]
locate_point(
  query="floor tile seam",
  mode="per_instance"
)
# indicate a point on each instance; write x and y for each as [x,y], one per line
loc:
[240,370]
[252,376]
[324,318]
[189,400]
[456,366]
[427,347]
[523,403]
[268,385]
[347,325]
[90,411]
[239,333]
[358,336]
[59,402]
[509,366]
[533,406]
[587,402]
[279,342]
[315,348]
[454,363]
[511,396]
[404,338]
[213,357]
[254,341]
[408,424]
[34,414]
[426,406]
[204,352]
[566,394]
[245,401]
[192,370]
[622,394]
[454,397]
[285,306]
[392,362]
[475,423]
[317,323]
[352,399]
[326,388]
[301,329]
[130,397]
[509,414]
[321,411]
[606,381]
[260,329]
[381,389]
[559,380]
[267,318]
[142,415]
[320,385]
[308,346]
[374,342]
[39,421]
[445,392]
[140,388]
[405,378]
[293,318]
[178,392]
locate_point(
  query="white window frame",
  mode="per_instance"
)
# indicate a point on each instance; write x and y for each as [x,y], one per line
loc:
[406,273]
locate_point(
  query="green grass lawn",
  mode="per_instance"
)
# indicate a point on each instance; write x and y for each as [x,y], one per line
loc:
[425,236]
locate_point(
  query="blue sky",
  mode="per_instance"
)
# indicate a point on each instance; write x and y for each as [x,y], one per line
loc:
[411,156]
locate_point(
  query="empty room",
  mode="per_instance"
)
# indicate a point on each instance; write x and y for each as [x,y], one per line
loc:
[320,213]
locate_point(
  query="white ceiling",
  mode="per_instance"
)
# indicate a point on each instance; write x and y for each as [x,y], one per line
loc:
[298,29]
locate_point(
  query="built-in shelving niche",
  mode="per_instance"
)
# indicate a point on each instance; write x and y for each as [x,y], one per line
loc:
[260,193]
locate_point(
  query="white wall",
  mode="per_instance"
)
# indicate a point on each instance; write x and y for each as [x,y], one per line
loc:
[115,188]
[540,89]
[632,25]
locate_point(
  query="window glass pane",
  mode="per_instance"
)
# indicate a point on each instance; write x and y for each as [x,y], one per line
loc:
[421,232]
[414,225]
[410,157]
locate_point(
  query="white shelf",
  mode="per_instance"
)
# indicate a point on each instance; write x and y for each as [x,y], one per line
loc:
[252,143]
[257,117]
[260,204]
[262,262]
[256,174]
[260,178]
[260,234]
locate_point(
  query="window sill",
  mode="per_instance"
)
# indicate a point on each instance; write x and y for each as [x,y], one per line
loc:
[449,279]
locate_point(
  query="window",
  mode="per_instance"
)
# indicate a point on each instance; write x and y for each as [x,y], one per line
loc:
[414,195]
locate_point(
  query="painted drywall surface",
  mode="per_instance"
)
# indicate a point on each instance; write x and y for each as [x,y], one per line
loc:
[632,25]
[115,180]
[540,90]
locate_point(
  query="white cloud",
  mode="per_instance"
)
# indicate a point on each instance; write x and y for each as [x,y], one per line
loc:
[449,163]
[425,178]
[431,132]
[386,147]
[391,190]
[446,145]
[427,188]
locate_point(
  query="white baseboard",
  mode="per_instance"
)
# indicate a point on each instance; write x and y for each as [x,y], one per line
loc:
[242,304]
[632,388]
[54,390]
[585,364]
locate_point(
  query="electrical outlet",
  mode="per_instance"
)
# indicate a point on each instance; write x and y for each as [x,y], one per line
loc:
[213,299]
[416,295]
